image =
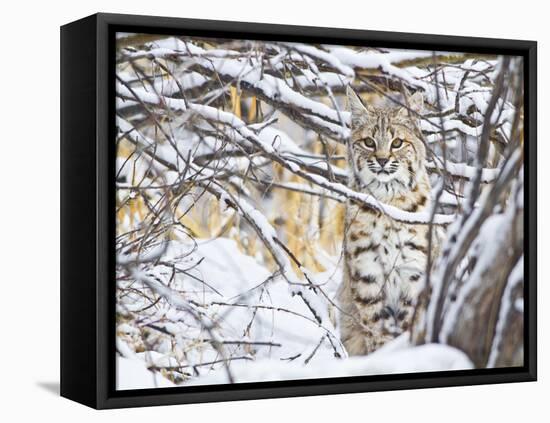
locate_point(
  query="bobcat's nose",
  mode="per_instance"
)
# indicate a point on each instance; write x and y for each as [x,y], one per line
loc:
[382,161]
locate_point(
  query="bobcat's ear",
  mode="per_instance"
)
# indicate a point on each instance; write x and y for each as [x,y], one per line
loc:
[359,112]
[415,104]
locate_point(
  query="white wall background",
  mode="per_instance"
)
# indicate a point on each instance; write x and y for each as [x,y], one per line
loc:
[29,186]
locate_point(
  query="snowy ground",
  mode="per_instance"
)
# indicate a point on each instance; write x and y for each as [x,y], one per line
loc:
[280,338]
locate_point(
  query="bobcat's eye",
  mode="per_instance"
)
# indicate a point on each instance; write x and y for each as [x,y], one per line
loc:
[369,142]
[397,143]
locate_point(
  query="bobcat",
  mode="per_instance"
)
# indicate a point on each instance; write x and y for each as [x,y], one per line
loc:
[384,259]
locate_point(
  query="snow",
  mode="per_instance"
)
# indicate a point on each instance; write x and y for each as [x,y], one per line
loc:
[434,125]
[392,211]
[310,80]
[247,135]
[323,55]
[464,171]
[239,282]
[150,97]
[132,374]
[169,87]
[268,85]
[383,61]
[239,289]
[493,231]
[516,277]
[400,358]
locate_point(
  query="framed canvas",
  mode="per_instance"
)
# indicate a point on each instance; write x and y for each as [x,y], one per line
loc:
[259,211]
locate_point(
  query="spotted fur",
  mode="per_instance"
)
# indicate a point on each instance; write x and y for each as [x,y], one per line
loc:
[384,260]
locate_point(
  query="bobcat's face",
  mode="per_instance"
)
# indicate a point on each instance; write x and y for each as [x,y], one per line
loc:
[384,145]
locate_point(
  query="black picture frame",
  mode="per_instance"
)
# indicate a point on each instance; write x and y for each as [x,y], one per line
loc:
[87,179]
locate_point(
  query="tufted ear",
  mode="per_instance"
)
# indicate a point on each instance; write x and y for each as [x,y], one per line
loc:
[416,102]
[359,112]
